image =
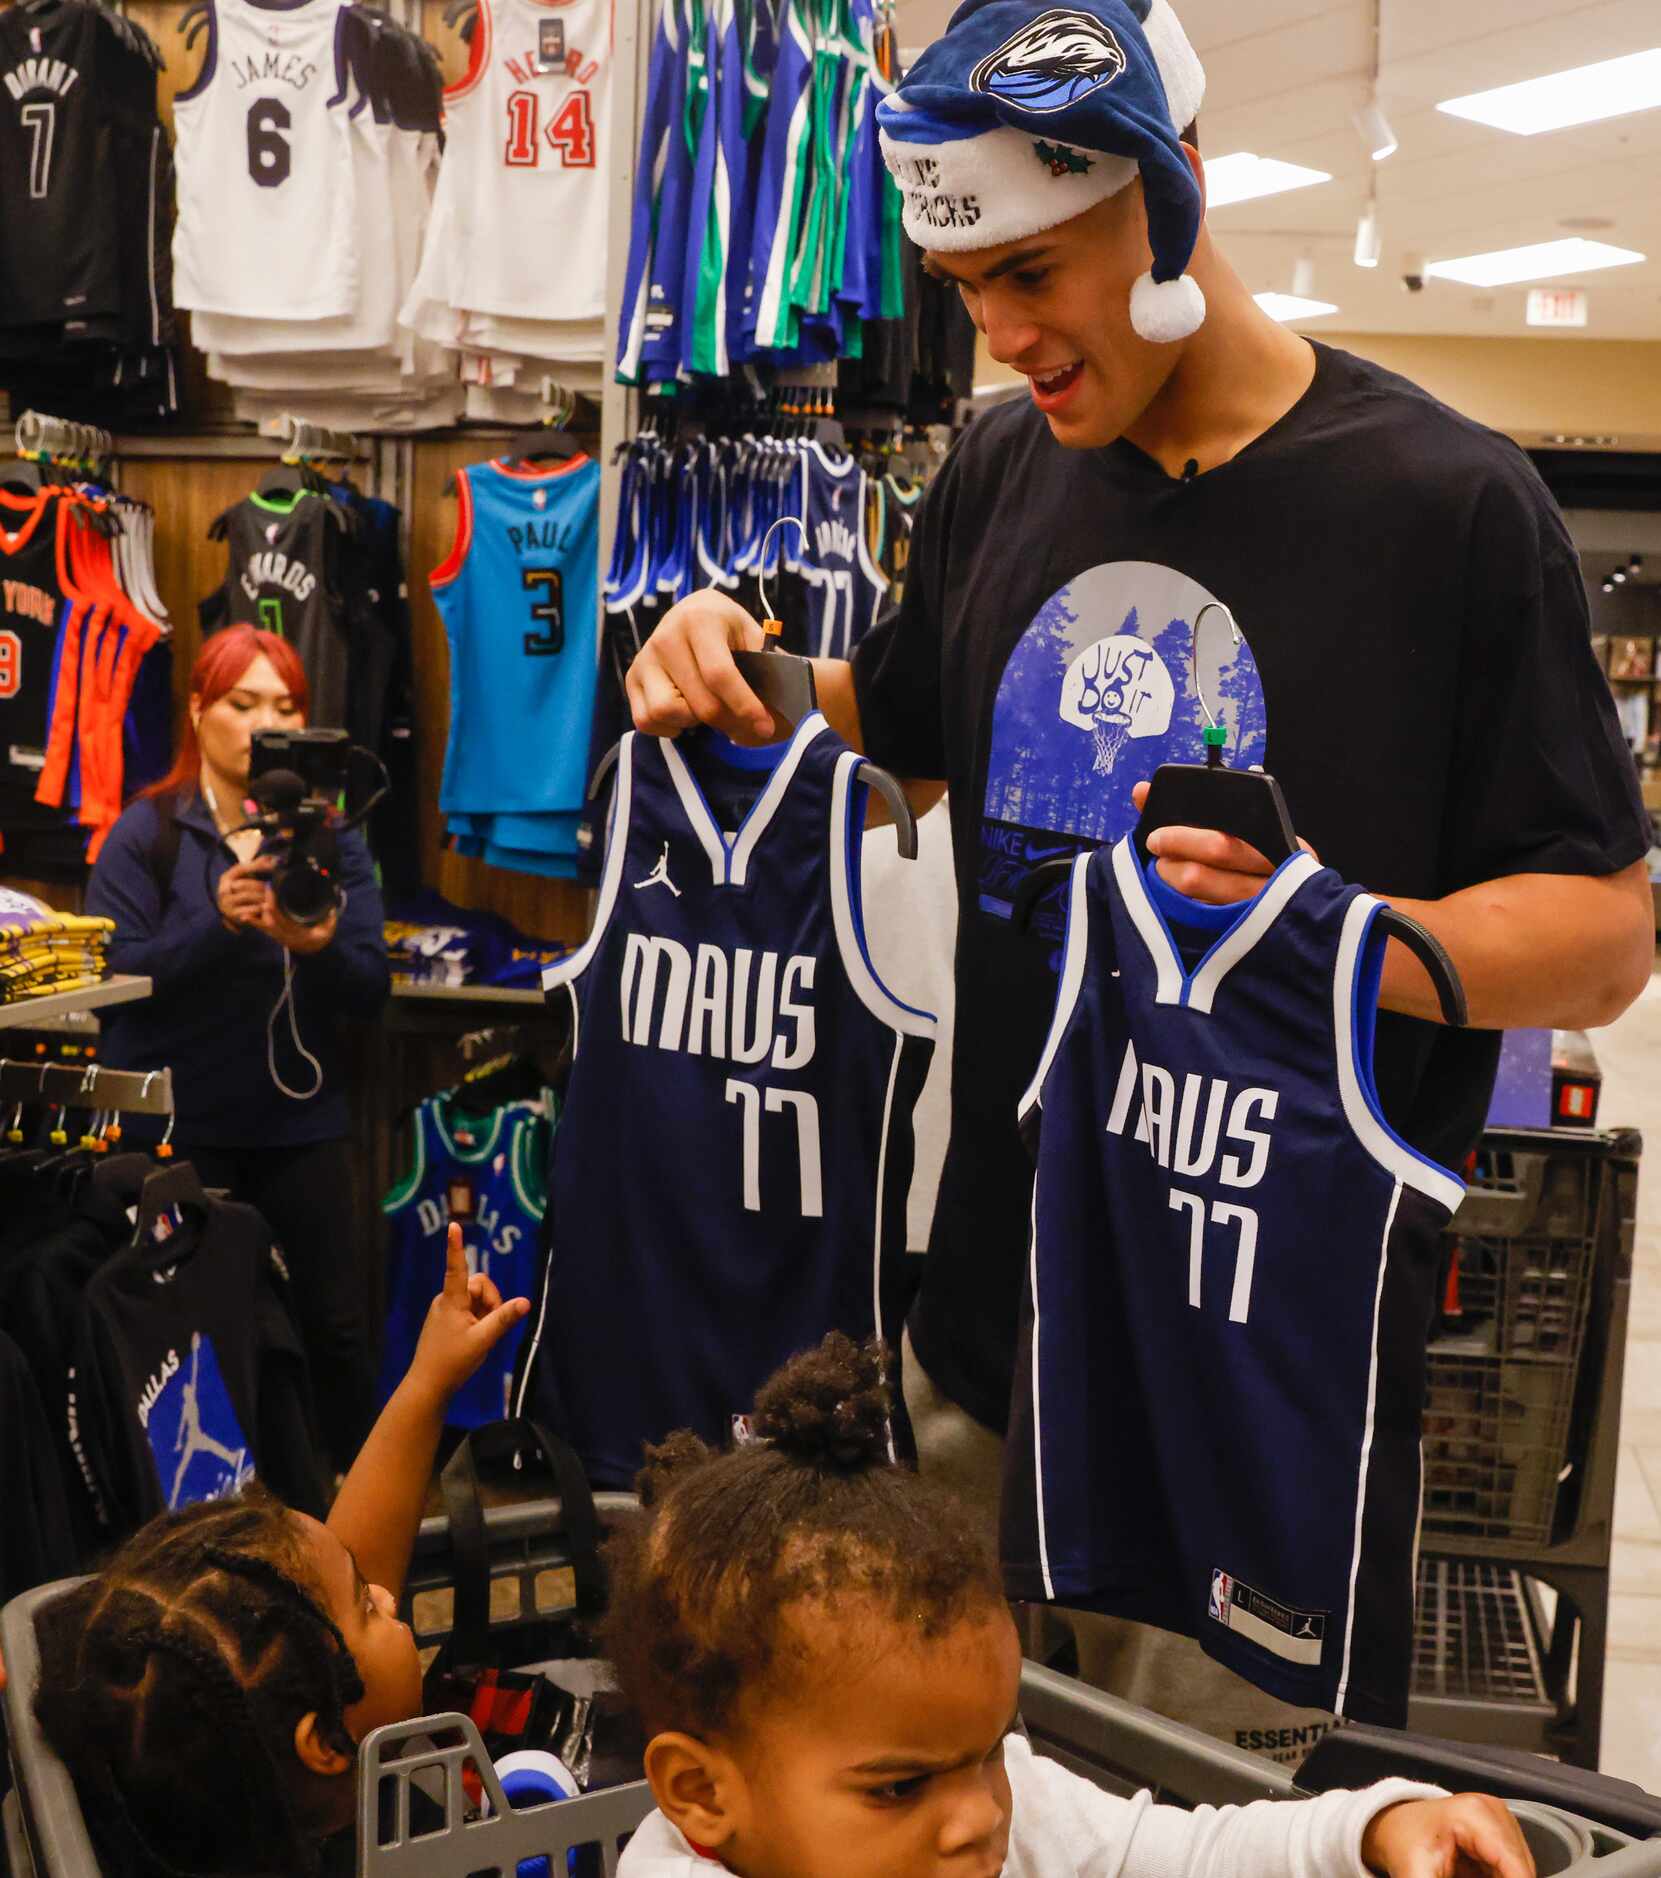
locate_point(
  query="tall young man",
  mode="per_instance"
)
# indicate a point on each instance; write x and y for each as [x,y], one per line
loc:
[1416,667]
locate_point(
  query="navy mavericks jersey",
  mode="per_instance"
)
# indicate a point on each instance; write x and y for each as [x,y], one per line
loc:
[730,1173]
[848,587]
[1215,1423]
[487,1174]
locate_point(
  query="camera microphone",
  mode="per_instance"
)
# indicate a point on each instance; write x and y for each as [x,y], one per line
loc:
[276,790]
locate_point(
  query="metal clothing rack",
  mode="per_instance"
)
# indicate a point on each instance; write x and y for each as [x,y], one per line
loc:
[38,436]
[74,1086]
[305,441]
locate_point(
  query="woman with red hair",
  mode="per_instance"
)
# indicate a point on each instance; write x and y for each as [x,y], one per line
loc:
[247,1005]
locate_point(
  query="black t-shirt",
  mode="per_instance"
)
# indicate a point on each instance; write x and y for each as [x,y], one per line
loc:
[1417,673]
[193,1373]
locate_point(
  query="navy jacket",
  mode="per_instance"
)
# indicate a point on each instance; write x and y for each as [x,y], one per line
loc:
[215,990]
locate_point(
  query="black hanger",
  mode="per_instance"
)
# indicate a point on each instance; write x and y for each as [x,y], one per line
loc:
[23,475]
[122,1176]
[1419,940]
[784,683]
[542,440]
[1247,804]
[178,1185]
[491,1085]
[284,479]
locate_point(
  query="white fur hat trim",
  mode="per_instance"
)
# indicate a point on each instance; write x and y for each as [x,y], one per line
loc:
[984,190]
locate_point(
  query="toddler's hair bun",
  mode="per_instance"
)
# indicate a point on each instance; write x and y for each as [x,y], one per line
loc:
[829,1407]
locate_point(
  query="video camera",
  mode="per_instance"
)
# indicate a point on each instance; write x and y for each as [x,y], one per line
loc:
[300,789]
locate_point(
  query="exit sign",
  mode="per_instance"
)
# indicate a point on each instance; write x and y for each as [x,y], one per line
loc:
[1556,306]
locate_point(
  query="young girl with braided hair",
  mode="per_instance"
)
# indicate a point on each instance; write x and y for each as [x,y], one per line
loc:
[208,1687]
[818,1647]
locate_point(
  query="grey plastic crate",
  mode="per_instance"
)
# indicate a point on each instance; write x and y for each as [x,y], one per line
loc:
[1502,1383]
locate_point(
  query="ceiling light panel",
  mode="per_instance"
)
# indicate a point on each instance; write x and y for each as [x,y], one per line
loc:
[1586,94]
[1292,306]
[1541,260]
[1242,177]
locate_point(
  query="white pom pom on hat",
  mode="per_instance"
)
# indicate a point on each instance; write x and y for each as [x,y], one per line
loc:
[1164,311]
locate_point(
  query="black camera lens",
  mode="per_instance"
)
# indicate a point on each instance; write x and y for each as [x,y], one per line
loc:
[304,894]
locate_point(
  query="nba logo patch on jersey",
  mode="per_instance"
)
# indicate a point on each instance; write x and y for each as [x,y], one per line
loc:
[199,1448]
[1293,1634]
[743,1431]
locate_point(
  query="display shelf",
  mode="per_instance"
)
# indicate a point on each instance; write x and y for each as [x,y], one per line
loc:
[466,994]
[39,1013]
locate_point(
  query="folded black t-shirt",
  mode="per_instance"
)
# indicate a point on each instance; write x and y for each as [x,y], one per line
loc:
[1417,673]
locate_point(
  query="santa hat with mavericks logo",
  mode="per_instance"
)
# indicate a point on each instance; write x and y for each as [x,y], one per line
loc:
[1022,117]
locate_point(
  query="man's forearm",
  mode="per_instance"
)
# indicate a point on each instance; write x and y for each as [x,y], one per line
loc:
[833,681]
[1552,951]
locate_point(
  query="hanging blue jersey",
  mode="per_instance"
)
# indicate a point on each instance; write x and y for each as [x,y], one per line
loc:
[769,317]
[519,598]
[848,586]
[488,1174]
[665,100]
[1216,1414]
[730,1174]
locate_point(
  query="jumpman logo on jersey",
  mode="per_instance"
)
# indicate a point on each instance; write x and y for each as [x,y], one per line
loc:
[659,876]
[192,1438]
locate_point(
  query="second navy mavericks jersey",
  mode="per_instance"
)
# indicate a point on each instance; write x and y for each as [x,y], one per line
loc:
[486,1173]
[1216,1414]
[730,1173]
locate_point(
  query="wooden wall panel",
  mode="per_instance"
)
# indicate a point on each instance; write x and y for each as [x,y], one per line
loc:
[551,909]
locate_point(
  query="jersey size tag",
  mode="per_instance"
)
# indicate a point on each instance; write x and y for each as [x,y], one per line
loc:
[462,1198]
[1295,1635]
[550,45]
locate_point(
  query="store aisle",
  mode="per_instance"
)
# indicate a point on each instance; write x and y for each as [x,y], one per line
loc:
[1630,1054]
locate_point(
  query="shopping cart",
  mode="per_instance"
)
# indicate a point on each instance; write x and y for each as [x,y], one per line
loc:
[1576,1822]
[1521,1433]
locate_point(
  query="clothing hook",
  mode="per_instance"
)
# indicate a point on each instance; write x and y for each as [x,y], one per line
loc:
[761,562]
[1194,654]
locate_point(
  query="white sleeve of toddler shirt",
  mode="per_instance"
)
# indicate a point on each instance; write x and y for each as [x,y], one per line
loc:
[1064,1827]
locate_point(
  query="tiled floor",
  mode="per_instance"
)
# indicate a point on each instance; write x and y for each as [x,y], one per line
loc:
[1630,1055]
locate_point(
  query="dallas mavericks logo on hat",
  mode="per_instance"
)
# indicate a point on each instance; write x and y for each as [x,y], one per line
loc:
[1063,56]
[1023,117]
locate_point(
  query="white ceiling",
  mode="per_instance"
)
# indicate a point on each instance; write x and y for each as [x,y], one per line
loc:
[1284,76]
